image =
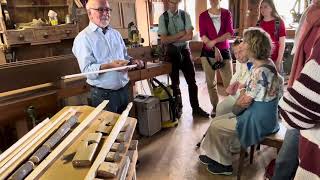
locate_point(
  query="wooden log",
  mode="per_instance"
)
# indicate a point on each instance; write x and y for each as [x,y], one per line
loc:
[108,143]
[39,170]
[6,169]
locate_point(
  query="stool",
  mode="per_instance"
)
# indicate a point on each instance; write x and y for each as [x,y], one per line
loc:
[274,140]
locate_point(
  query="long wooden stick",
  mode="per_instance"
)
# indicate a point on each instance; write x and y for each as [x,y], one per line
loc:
[39,170]
[6,169]
[26,139]
[100,71]
[108,143]
[16,145]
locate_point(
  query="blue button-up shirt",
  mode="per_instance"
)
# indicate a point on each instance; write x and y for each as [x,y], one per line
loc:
[93,48]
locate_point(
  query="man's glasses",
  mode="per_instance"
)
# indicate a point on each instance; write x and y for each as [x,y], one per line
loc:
[101,10]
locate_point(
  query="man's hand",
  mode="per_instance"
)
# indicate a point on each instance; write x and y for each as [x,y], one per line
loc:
[118,63]
[138,62]
[114,64]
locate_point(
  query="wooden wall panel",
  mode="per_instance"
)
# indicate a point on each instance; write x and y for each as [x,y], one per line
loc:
[129,13]
[26,75]
[116,20]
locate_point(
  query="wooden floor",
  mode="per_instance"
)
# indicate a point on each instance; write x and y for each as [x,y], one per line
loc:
[171,154]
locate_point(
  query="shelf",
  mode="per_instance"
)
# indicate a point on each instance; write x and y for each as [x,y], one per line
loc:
[38,6]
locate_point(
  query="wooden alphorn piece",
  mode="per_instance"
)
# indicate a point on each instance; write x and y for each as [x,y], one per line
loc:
[58,135]
[117,147]
[40,154]
[23,171]
[113,157]
[104,128]
[122,137]
[107,170]
[86,150]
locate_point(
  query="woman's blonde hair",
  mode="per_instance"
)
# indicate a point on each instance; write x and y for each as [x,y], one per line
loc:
[259,43]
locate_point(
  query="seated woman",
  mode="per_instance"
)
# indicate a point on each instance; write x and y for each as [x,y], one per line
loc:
[260,98]
[243,66]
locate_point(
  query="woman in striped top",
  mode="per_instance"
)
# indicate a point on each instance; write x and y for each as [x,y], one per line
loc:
[300,108]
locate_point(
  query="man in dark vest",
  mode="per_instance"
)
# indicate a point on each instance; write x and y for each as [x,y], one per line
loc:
[175,29]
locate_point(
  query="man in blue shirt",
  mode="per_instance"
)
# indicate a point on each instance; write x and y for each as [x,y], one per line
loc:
[99,47]
[175,29]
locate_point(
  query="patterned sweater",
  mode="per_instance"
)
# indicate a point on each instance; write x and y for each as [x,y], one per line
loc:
[300,108]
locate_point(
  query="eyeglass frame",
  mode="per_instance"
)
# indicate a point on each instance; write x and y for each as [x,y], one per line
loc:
[102,10]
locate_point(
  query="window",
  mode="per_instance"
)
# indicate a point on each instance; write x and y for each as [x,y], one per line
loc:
[284,8]
[224,4]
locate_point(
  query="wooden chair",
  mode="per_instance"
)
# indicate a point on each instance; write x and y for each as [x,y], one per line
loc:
[274,140]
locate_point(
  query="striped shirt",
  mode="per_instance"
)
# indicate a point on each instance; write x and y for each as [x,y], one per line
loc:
[300,108]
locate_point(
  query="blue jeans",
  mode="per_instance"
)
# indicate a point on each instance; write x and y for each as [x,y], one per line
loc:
[118,99]
[287,161]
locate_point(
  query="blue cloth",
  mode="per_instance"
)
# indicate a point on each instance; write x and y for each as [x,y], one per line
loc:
[257,121]
[93,48]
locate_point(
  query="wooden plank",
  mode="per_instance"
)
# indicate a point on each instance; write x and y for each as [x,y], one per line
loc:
[29,147]
[39,170]
[132,168]
[108,143]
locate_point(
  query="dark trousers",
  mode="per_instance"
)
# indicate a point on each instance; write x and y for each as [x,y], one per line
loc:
[118,99]
[287,160]
[181,60]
